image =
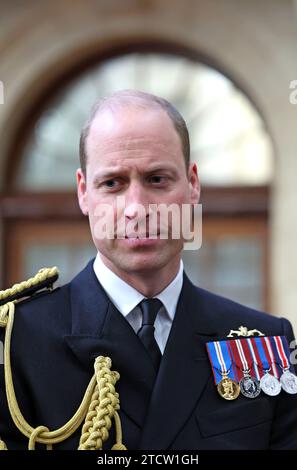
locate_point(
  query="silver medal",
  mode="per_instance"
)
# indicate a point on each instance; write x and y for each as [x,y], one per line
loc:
[289,382]
[270,385]
[250,387]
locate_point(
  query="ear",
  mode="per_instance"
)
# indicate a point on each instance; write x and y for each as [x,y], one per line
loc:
[194,183]
[82,191]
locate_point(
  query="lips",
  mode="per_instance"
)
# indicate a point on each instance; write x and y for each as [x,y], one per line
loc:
[141,242]
[135,235]
[142,237]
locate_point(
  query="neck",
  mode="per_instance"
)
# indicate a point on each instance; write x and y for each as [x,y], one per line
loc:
[148,282]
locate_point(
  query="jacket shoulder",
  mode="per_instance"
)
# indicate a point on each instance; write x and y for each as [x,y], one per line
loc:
[227,314]
[43,280]
[36,298]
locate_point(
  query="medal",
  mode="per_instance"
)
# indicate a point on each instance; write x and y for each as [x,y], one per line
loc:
[270,385]
[249,386]
[228,388]
[249,365]
[288,380]
[221,362]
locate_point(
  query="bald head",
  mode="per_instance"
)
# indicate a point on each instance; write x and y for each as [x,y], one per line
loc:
[133,98]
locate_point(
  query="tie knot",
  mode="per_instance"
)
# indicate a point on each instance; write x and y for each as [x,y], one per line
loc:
[150,308]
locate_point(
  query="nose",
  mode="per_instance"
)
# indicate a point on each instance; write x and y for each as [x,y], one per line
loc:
[136,202]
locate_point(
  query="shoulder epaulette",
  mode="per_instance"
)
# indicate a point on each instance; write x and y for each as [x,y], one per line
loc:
[44,279]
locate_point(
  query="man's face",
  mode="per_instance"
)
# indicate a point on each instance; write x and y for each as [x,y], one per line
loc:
[136,154]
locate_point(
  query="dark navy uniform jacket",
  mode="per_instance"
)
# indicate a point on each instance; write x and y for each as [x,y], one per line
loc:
[57,335]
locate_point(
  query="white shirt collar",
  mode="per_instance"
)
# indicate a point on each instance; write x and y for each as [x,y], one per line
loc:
[125,297]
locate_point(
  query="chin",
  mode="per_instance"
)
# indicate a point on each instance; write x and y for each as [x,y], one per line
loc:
[144,263]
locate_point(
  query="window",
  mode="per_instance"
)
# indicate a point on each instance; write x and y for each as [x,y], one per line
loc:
[228,137]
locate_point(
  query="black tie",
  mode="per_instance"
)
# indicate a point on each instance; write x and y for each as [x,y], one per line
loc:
[150,308]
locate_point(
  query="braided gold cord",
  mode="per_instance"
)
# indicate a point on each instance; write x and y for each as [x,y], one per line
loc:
[105,402]
[4,309]
[41,276]
[98,407]
[2,445]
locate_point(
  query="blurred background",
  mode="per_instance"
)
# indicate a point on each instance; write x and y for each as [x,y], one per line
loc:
[226,65]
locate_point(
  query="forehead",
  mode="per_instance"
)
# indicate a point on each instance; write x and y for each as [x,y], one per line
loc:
[131,128]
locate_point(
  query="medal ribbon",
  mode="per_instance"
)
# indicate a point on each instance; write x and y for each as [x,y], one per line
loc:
[281,353]
[271,355]
[287,353]
[264,354]
[286,349]
[255,359]
[220,359]
[259,351]
[243,357]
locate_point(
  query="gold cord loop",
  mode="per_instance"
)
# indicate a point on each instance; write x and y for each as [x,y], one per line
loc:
[34,436]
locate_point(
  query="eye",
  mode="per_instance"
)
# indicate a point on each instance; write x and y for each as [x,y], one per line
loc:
[157,179]
[110,183]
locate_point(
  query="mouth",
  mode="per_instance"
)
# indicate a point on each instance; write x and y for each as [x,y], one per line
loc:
[141,241]
[144,236]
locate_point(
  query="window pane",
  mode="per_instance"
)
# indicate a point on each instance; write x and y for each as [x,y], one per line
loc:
[69,259]
[228,137]
[230,267]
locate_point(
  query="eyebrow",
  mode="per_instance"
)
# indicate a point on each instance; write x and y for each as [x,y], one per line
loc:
[106,174]
[111,173]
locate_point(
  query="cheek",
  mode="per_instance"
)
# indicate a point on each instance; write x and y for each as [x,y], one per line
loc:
[103,215]
[93,197]
[180,195]
[97,203]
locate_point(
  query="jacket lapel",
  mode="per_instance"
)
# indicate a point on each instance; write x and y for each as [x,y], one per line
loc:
[183,373]
[159,406]
[99,329]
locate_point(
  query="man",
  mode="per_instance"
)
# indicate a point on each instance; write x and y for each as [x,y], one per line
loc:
[136,146]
